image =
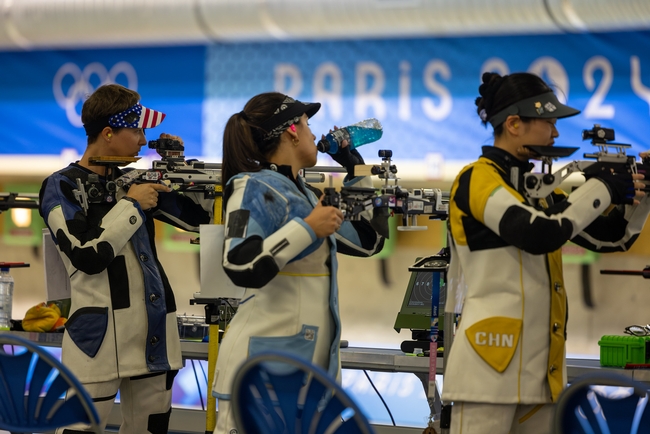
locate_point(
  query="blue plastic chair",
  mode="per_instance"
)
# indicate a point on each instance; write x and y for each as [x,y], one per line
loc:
[584,408]
[279,393]
[32,386]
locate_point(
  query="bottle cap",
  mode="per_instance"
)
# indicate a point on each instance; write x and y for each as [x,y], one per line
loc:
[8,265]
[323,145]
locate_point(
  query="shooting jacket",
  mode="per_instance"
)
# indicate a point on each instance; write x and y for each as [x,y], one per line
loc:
[123,314]
[506,259]
[291,299]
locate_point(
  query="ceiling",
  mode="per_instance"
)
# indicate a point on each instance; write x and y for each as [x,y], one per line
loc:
[47,24]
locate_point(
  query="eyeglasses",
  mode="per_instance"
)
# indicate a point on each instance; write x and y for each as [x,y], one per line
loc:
[637,330]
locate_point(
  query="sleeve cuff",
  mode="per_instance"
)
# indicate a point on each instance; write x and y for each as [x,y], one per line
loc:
[133,201]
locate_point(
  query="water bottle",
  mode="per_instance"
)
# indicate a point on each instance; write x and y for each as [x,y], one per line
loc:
[6,295]
[358,134]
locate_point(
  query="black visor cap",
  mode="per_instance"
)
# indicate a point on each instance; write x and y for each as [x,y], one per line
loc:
[291,110]
[545,106]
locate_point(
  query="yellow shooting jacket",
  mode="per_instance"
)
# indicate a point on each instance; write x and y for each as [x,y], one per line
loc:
[506,264]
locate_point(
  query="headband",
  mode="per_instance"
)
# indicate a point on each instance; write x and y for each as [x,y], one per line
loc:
[286,115]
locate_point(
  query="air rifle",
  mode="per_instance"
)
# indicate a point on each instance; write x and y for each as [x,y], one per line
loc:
[174,171]
[610,156]
[18,200]
[390,199]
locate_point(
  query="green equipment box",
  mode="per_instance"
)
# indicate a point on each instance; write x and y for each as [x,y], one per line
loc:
[619,351]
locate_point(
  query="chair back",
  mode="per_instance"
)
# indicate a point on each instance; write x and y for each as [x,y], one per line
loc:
[32,386]
[585,407]
[278,393]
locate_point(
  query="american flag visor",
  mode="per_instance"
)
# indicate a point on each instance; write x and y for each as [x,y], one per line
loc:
[136,116]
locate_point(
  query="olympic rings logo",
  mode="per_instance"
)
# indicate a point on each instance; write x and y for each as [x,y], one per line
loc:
[82,88]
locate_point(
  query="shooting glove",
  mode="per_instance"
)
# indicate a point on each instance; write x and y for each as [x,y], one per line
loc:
[379,221]
[620,186]
[348,159]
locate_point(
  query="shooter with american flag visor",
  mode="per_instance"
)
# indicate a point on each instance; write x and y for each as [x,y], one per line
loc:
[122,332]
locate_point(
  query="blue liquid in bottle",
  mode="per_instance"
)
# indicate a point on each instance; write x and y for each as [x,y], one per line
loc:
[359,134]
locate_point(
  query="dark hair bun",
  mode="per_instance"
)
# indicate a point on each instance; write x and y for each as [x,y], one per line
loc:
[491,83]
[488,89]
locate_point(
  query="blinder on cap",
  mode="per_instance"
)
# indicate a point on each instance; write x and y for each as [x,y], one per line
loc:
[286,115]
[545,106]
[135,116]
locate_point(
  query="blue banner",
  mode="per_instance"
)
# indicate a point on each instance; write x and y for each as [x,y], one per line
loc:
[41,93]
[422,90]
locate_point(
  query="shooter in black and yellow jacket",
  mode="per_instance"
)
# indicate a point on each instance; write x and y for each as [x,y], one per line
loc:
[508,358]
